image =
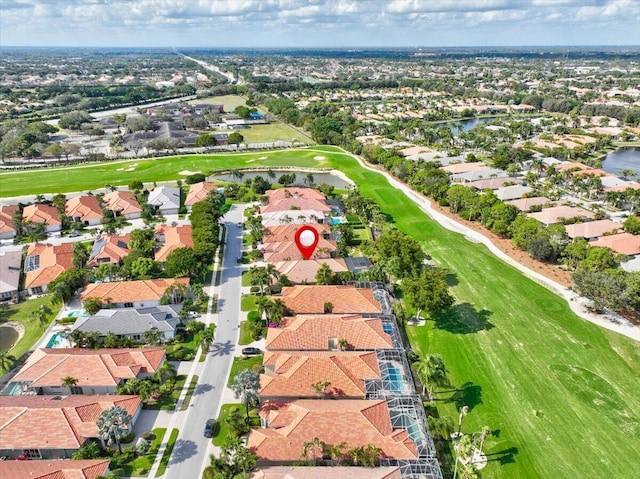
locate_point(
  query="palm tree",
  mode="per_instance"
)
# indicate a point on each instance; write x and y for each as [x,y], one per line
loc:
[463,449]
[320,387]
[69,382]
[113,424]
[464,410]
[432,372]
[206,339]
[313,448]
[165,372]
[483,435]
[263,304]
[338,452]
[6,361]
[245,387]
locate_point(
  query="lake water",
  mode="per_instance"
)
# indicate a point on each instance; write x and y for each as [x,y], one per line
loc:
[8,337]
[318,178]
[622,159]
[463,125]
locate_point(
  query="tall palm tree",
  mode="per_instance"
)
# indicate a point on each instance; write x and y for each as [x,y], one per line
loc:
[165,372]
[6,361]
[313,448]
[432,372]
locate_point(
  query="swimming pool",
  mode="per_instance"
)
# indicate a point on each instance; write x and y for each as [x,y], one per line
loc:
[57,341]
[394,376]
[387,328]
[412,428]
[14,389]
[78,313]
[336,221]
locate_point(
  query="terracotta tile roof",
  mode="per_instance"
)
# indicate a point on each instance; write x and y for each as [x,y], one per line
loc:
[525,204]
[623,243]
[123,202]
[130,291]
[278,234]
[69,420]
[319,472]
[305,270]
[109,249]
[313,332]
[293,204]
[493,183]
[291,374]
[294,192]
[356,422]
[100,367]
[465,167]
[174,237]
[38,213]
[53,260]
[6,218]
[54,469]
[626,186]
[344,299]
[288,251]
[550,216]
[198,192]
[86,207]
[592,229]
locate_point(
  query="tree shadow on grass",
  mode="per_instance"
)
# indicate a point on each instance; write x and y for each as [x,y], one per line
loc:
[506,456]
[468,394]
[463,318]
[451,279]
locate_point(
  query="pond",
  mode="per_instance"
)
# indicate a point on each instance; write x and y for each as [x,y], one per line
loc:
[8,337]
[622,159]
[463,125]
[318,178]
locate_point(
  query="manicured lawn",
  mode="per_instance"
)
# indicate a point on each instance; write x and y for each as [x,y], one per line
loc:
[190,391]
[246,278]
[167,452]
[230,102]
[241,363]
[140,466]
[222,431]
[19,313]
[272,132]
[245,334]
[248,302]
[560,394]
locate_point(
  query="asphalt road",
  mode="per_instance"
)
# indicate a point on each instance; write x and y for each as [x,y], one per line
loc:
[191,450]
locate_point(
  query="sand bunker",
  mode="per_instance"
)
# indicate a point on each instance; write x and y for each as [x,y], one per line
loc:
[319,158]
[262,158]
[189,173]
[120,169]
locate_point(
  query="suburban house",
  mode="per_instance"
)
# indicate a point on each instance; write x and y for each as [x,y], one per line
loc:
[198,192]
[525,204]
[7,230]
[122,203]
[319,472]
[328,332]
[301,271]
[134,294]
[60,469]
[330,299]
[109,249]
[292,374]
[96,371]
[282,233]
[289,251]
[457,168]
[558,214]
[84,209]
[10,262]
[286,426]
[512,192]
[591,230]
[70,422]
[475,175]
[170,238]
[165,199]
[493,183]
[44,263]
[39,213]
[621,243]
[294,205]
[132,322]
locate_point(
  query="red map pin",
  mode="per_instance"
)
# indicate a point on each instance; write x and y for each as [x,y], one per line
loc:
[306,240]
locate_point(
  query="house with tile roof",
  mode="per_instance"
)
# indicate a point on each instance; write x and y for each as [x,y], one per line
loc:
[283,233]
[122,203]
[70,423]
[591,230]
[286,426]
[60,469]
[132,322]
[40,213]
[198,192]
[343,299]
[288,251]
[479,174]
[97,371]
[170,238]
[456,168]
[274,196]
[111,249]
[493,183]
[337,472]
[7,230]
[44,263]
[294,206]
[621,243]
[301,271]
[131,294]
[291,374]
[166,200]
[512,192]
[558,214]
[525,204]
[84,209]
[324,332]
[10,266]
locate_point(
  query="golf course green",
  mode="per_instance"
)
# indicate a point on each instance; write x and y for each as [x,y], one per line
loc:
[560,395]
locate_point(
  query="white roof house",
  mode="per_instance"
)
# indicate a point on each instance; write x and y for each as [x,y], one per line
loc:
[166,199]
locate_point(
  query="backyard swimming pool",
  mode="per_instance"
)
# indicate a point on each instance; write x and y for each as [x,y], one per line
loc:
[57,340]
[394,377]
[78,313]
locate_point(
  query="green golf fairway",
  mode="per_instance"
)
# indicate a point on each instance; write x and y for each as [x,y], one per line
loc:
[561,395]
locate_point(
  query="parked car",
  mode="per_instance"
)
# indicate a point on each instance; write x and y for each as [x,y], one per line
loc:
[239,224]
[251,351]
[208,427]
[192,315]
[239,259]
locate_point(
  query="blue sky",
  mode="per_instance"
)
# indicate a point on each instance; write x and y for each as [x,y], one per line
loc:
[318,23]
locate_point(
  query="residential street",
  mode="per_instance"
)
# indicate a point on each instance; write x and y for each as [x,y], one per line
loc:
[191,451]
